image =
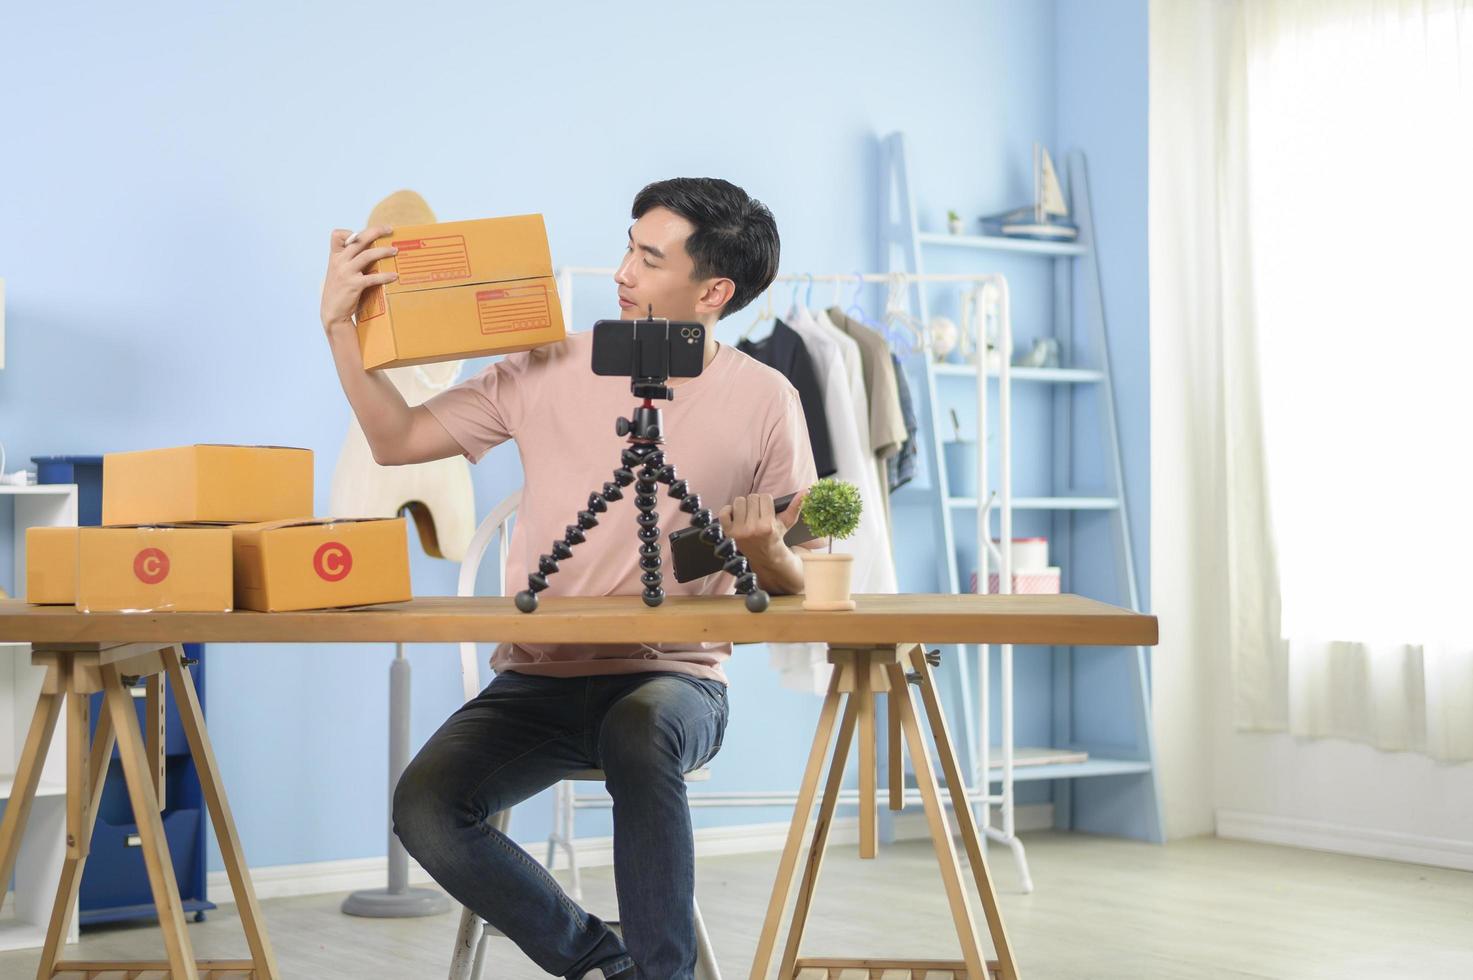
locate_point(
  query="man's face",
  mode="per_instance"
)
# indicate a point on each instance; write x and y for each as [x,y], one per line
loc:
[656,272]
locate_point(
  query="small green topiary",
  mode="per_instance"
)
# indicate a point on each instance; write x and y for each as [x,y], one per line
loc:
[831,510]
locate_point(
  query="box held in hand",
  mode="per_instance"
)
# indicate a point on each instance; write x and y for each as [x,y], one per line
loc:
[465,289]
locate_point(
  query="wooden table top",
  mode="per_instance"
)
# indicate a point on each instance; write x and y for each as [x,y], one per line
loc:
[1052,620]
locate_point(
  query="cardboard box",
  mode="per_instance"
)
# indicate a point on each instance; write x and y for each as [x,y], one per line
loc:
[320,564]
[51,565]
[465,289]
[155,568]
[206,483]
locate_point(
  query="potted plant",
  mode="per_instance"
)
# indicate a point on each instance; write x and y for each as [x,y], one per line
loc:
[954,222]
[831,510]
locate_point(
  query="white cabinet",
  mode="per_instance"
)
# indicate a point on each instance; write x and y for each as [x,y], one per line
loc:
[27,911]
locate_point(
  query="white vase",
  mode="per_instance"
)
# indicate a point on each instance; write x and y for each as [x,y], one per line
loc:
[954,225]
[826,579]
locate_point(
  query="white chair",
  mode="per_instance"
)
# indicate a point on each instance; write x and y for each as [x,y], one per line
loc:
[468,961]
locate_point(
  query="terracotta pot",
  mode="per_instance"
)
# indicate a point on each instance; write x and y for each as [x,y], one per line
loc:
[826,581]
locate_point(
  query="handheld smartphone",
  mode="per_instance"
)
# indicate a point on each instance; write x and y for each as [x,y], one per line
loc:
[649,348]
[694,558]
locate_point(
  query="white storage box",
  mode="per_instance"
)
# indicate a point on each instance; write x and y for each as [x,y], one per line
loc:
[1029,554]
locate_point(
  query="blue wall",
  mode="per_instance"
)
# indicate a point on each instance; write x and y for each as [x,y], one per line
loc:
[1102,54]
[172,176]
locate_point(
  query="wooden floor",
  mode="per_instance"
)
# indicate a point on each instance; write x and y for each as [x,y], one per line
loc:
[1103,908]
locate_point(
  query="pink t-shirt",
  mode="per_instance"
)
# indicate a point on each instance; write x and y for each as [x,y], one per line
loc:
[737,428]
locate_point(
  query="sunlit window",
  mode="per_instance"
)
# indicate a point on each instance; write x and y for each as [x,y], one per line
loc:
[1360,177]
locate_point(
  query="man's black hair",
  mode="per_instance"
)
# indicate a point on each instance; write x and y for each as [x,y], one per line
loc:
[735,235]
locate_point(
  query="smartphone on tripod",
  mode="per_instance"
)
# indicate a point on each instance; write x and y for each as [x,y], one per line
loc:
[649,348]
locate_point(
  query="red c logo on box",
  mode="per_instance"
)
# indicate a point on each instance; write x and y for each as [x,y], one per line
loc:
[151,566]
[333,562]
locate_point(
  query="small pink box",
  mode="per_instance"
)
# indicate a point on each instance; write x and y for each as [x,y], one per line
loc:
[1042,582]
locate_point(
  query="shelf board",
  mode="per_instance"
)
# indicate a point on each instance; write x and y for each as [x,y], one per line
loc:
[1043,503]
[1073,770]
[1037,764]
[46,787]
[1055,375]
[997,243]
[16,934]
[1034,756]
[39,490]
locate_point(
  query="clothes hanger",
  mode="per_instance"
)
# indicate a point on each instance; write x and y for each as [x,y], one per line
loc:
[793,306]
[764,313]
[911,335]
[793,300]
[968,349]
[855,310]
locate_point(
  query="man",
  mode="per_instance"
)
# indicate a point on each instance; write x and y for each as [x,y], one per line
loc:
[699,249]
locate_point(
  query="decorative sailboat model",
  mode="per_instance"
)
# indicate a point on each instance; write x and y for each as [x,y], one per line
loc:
[1047,217]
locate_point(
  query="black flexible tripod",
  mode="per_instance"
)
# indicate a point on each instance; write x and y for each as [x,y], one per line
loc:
[644,432]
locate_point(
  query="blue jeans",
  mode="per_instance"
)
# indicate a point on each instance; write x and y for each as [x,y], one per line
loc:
[521,735]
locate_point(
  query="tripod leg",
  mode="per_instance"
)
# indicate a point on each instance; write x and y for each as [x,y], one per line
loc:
[562,550]
[711,532]
[646,499]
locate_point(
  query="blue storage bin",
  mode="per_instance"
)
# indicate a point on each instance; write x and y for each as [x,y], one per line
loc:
[85,472]
[114,884]
[116,847]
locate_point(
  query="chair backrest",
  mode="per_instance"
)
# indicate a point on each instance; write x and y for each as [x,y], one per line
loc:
[496,525]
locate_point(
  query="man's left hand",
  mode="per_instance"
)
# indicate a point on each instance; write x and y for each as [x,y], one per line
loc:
[754,524]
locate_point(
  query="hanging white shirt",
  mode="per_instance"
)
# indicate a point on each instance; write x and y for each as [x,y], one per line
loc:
[804,666]
[840,380]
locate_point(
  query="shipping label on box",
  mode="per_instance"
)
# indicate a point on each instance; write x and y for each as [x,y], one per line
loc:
[154,568]
[206,483]
[465,289]
[282,566]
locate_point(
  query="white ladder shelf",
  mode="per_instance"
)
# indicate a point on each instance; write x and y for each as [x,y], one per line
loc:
[1136,807]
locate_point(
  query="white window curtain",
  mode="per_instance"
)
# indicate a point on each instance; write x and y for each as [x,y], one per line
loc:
[1312,214]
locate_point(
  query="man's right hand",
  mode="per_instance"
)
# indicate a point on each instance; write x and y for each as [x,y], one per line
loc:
[348,257]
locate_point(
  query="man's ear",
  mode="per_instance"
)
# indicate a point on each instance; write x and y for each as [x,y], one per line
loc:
[718,293]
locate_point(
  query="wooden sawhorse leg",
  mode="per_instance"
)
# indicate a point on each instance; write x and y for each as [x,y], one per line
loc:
[74,672]
[862,673]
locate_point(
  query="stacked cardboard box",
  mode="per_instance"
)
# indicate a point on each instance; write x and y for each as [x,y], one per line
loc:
[212,528]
